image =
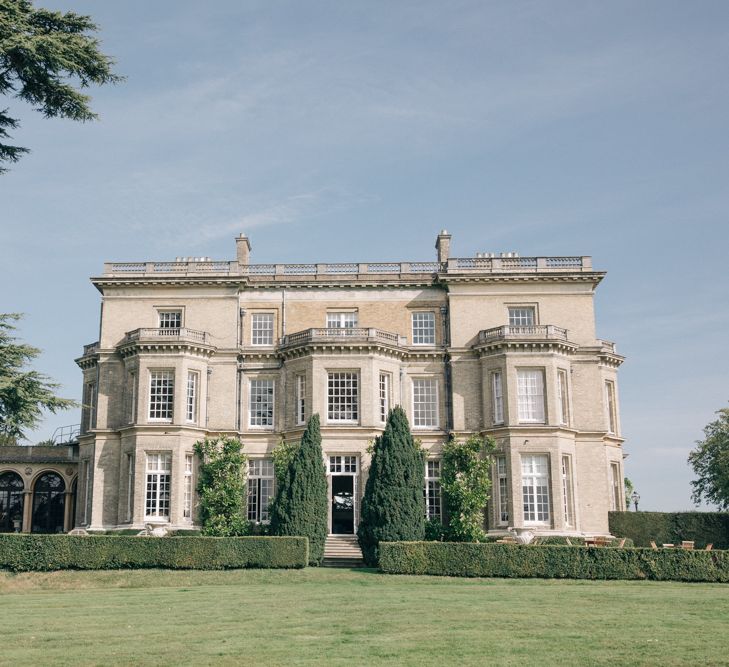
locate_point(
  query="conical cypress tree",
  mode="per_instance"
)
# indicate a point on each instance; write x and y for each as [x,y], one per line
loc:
[301,500]
[393,507]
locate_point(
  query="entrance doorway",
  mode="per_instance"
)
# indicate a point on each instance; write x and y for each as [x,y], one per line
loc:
[343,494]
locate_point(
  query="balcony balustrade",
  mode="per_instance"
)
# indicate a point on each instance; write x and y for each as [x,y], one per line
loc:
[342,335]
[167,335]
[533,332]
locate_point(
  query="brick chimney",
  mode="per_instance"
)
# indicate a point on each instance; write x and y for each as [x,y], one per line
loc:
[243,249]
[443,245]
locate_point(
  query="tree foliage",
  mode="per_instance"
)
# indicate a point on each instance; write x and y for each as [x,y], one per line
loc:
[45,57]
[222,487]
[302,503]
[393,506]
[628,488]
[466,484]
[710,463]
[24,393]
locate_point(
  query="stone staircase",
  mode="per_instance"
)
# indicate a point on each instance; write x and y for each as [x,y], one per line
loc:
[342,551]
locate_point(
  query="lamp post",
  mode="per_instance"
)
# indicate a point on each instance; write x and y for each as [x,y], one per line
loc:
[635,497]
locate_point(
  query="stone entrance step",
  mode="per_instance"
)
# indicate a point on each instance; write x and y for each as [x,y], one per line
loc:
[342,551]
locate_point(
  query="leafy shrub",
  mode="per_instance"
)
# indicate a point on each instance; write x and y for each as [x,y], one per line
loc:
[22,553]
[552,562]
[222,487]
[302,501]
[554,540]
[435,531]
[672,527]
[393,506]
[466,482]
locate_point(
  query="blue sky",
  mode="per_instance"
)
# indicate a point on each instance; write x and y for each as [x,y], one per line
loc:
[351,131]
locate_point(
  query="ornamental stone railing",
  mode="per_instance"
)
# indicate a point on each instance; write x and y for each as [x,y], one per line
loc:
[167,335]
[533,332]
[457,265]
[342,335]
[91,348]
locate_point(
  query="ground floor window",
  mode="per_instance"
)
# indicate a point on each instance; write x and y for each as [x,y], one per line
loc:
[567,492]
[433,503]
[616,492]
[49,504]
[501,500]
[187,500]
[260,489]
[535,488]
[157,505]
[11,502]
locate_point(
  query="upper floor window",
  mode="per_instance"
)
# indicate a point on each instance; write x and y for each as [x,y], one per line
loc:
[344,320]
[343,396]
[384,395]
[300,399]
[88,409]
[522,316]
[191,397]
[497,396]
[433,504]
[262,329]
[530,395]
[161,395]
[170,319]
[535,488]
[424,328]
[260,489]
[611,408]
[563,398]
[261,403]
[130,395]
[425,402]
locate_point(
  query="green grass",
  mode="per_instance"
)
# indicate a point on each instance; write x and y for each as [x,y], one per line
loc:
[349,617]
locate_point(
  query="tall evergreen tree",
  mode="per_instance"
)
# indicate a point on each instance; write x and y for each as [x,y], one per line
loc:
[393,507]
[302,502]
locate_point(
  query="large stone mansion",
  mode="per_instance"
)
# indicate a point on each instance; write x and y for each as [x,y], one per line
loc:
[502,345]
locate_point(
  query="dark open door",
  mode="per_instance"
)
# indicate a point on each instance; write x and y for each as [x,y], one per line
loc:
[342,504]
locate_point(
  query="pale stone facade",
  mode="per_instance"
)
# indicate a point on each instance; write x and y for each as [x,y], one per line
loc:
[502,346]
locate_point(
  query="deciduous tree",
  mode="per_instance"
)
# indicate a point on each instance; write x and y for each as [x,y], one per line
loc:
[710,463]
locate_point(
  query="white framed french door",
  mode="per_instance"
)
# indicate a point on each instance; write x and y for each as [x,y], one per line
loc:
[343,472]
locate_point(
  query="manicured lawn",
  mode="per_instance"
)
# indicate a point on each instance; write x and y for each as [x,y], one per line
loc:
[348,617]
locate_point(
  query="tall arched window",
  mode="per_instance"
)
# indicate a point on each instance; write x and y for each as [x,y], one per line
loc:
[48,504]
[11,502]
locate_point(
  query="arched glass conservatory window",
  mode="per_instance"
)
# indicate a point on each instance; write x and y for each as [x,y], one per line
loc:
[48,504]
[11,502]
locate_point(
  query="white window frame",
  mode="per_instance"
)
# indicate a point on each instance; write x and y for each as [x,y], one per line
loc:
[301,399]
[187,500]
[261,413]
[87,491]
[383,395]
[191,397]
[522,316]
[422,411]
[90,401]
[158,486]
[423,327]
[530,395]
[611,407]
[501,491]
[346,403]
[497,398]
[563,397]
[617,488]
[262,325]
[131,408]
[536,495]
[130,486]
[260,491]
[432,490]
[169,321]
[166,407]
[568,491]
[345,319]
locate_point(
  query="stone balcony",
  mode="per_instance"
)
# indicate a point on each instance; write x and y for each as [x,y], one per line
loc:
[511,332]
[167,335]
[342,335]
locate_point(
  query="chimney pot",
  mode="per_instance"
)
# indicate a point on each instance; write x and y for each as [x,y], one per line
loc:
[443,246]
[243,249]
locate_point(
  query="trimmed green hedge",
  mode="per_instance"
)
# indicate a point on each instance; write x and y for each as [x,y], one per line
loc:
[23,553]
[552,562]
[672,527]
